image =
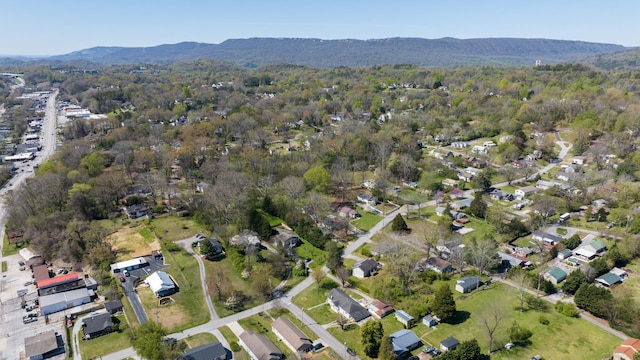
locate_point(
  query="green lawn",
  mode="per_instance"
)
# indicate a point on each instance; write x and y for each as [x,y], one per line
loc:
[172,228]
[412,196]
[313,299]
[200,339]
[228,334]
[306,250]
[4,266]
[261,323]
[189,308]
[570,335]
[273,220]
[106,344]
[8,249]
[281,312]
[366,221]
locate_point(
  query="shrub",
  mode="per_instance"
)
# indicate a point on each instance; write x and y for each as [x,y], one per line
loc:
[234,346]
[543,320]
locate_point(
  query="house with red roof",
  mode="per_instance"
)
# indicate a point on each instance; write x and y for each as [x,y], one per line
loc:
[627,349]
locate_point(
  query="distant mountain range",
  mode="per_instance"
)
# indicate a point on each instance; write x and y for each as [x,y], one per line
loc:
[333,53]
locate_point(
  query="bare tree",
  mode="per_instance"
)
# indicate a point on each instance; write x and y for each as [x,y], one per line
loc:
[509,172]
[545,206]
[482,254]
[490,319]
[401,261]
[521,280]
[293,187]
[318,275]
[383,148]
[343,274]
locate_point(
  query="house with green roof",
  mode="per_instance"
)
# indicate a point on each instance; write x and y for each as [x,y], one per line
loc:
[556,275]
[591,249]
[609,279]
[564,254]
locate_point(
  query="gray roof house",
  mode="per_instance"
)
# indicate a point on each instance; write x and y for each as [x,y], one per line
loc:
[211,351]
[468,284]
[96,325]
[285,238]
[365,268]
[345,305]
[404,341]
[291,335]
[260,347]
[545,237]
[449,343]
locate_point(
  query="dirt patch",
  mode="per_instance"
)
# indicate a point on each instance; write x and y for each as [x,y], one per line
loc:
[130,244]
[169,316]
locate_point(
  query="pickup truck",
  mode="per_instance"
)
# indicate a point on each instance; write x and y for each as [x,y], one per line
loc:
[29,319]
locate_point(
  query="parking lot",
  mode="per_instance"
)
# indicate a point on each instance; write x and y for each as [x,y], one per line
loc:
[129,281]
[13,330]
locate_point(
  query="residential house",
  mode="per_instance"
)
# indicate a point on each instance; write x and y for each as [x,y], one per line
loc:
[473,171]
[509,261]
[440,210]
[525,191]
[565,254]
[368,199]
[449,183]
[137,211]
[441,153]
[549,239]
[260,347]
[345,305]
[609,279]
[479,150]
[621,273]
[544,184]
[579,160]
[461,204]
[438,265]
[449,343]
[380,308]
[627,350]
[96,325]
[291,335]
[285,238]
[591,249]
[564,176]
[161,284]
[459,144]
[347,212]
[410,184]
[522,251]
[404,318]
[365,268]
[430,321]
[202,186]
[210,351]
[556,275]
[468,284]
[403,341]
[489,144]
[497,194]
[216,245]
[465,176]
[245,238]
[113,307]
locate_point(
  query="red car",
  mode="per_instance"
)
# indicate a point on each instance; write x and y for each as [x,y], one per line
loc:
[122,279]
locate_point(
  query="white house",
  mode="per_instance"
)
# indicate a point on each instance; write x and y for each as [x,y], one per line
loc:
[161,284]
[525,191]
[365,268]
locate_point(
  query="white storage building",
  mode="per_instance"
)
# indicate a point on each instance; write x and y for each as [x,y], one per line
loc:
[50,304]
[129,265]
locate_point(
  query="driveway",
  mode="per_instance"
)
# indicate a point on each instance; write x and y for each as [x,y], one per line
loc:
[129,285]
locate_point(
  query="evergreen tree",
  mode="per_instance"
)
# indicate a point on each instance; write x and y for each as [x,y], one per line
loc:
[334,258]
[478,207]
[519,335]
[573,282]
[371,334]
[386,349]
[572,242]
[444,306]
[259,224]
[398,224]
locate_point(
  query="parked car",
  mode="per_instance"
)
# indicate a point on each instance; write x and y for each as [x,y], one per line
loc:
[317,346]
[28,283]
[121,278]
[126,273]
[351,352]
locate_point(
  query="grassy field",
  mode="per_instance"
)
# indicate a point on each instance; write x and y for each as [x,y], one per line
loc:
[313,300]
[8,249]
[129,243]
[174,228]
[306,250]
[228,334]
[4,266]
[106,344]
[366,221]
[200,339]
[261,323]
[189,308]
[280,312]
[241,287]
[571,335]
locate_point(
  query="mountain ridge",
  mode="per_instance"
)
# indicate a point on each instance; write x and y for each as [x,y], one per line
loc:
[322,53]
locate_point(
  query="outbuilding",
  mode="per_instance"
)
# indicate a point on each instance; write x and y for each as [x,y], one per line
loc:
[50,304]
[161,284]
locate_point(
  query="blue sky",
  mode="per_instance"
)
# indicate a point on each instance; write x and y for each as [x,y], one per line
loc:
[46,27]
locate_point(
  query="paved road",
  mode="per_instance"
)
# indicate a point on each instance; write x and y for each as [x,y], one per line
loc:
[187,244]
